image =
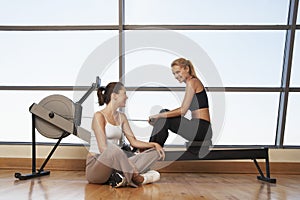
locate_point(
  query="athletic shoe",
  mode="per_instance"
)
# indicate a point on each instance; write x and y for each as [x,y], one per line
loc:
[151,176]
[116,180]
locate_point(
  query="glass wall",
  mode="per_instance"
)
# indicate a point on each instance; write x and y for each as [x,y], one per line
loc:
[237,48]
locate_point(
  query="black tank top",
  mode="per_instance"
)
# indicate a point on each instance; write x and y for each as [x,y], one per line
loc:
[200,100]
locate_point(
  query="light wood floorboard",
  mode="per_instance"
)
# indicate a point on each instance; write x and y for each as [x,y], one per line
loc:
[65,185]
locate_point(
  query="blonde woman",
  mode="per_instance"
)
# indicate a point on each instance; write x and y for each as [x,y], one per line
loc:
[195,100]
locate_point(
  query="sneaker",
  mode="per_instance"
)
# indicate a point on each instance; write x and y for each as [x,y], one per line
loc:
[151,176]
[116,180]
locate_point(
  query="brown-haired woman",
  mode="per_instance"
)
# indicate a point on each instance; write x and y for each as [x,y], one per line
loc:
[106,161]
[195,100]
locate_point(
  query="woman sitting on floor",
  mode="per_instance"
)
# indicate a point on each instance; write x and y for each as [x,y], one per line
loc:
[106,161]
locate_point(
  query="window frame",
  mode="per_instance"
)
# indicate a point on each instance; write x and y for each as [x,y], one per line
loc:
[284,89]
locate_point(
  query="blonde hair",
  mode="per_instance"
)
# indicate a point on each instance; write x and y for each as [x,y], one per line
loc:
[182,62]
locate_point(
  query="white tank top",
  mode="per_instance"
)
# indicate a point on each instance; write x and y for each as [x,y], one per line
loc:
[113,135]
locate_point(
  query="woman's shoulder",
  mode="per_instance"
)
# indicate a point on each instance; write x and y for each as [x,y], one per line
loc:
[195,83]
[98,119]
[99,115]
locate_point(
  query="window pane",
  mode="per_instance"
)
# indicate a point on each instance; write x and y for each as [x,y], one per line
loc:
[56,12]
[240,58]
[244,58]
[16,118]
[140,105]
[48,58]
[298,17]
[151,66]
[292,136]
[295,76]
[206,12]
[250,119]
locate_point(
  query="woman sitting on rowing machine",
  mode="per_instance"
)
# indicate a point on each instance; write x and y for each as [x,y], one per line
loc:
[195,100]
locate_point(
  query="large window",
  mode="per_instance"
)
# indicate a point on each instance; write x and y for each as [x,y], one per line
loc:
[238,49]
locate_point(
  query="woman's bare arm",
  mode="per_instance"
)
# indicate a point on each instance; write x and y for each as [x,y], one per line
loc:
[98,126]
[137,143]
[181,111]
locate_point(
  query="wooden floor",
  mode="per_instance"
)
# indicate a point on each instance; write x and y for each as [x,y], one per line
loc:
[61,185]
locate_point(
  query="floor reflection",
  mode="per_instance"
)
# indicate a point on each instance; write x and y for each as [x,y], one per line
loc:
[36,188]
[270,191]
[94,191]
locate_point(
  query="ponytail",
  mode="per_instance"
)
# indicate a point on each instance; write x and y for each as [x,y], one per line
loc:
[192,69]
[101,96]
[104,93]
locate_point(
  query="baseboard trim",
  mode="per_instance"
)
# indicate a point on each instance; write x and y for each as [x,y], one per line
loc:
[53,164]
[231,167]
[178,166]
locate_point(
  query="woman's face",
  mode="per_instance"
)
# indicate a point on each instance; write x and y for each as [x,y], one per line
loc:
[122,97]
[180,73]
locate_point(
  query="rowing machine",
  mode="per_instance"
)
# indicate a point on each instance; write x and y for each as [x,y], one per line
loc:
[56,117]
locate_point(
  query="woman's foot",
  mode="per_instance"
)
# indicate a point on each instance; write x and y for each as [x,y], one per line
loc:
[137,179]
[151,176]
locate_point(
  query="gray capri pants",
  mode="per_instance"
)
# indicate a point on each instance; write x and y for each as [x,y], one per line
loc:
[99,167]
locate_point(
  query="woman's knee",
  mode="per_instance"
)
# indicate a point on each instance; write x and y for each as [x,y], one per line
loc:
[97,171]
[95,178]
[153,153]
[164,110]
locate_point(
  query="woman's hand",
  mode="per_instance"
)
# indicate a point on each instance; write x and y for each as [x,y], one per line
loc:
[159,149]
[152,119]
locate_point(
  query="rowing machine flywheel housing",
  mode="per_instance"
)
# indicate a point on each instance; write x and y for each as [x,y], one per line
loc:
[59,105]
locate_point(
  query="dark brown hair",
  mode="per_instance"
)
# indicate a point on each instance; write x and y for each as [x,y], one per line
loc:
[182,62]
[104,93]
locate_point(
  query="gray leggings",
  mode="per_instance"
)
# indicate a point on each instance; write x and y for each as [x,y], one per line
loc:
[99,167]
